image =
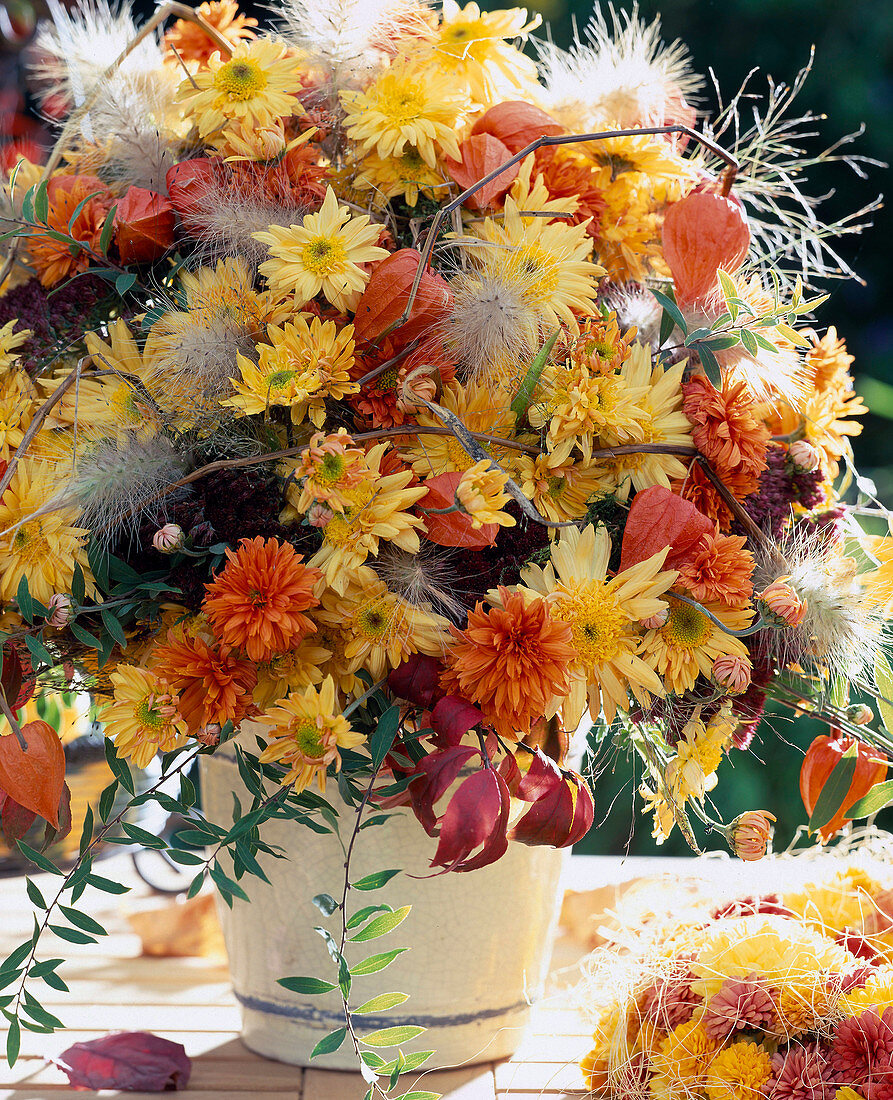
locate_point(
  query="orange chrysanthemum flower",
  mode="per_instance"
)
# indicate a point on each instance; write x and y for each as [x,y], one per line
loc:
[569,177]
[696,488]
[255,604]
[727,429]
[827,358]
[214,685]
[510,661]
[720,569]
[53,259]
[191,42]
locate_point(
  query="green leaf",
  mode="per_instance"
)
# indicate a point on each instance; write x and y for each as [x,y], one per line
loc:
[34,894]
[119,767]
[411,1061]
[87,830]
[380,926]
[124,282]
[15,958]
[40,1015]
[880,796]
[187,790]
[225,885]
[71,934]
[526,390]
[835,789]
[55,982]
[85,636]
[330,1043]
[382,1003]
[39,969]
[142,836]
[185,857]
[39,651]
[23,599]
[107,885]
[325,903]
[81,920]
[13,1041]
[366,912]
[374,881]
[883,678]
[711,366]
[730,293]
[373,1060]
[393,1036]
[311,986]
[107,800]
[722,343]
[108,228]
[399,1067]
[77,210]
[749,342]
[41,202]
[374,963]
[417,1094]
[669,306]
[114,628]
[383,736]
[37,857]
[195,885]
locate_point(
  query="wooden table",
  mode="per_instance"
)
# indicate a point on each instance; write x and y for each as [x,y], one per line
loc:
[113,988]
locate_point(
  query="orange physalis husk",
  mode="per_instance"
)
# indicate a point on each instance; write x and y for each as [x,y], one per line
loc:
[702,233]
[517,124]
[387,293]
[821,758]
[481,154]
[144,226]
[34,778]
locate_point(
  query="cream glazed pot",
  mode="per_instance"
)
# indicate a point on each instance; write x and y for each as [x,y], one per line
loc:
[479,942]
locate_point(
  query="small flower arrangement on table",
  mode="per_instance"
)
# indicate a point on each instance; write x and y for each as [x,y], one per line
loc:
[370,380]
[783,996]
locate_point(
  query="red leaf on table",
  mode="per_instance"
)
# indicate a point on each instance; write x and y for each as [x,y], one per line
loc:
[475,818]
[453,529]
[659,518]
[34,778]
[131,1061]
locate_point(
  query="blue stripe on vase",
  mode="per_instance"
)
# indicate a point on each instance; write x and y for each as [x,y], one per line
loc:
[317,1017]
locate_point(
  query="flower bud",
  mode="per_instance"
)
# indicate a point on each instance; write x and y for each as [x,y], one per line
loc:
[781,603]
[749,834]
[804,456]
[318,514]
[656,621]
[169,539]
[59,610]
[732,674]
[860,714]
[208,735]
[269,142]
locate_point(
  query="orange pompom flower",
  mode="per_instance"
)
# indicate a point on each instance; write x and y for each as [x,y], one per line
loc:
[255,604]
[214,685]
[510,661]
[54,259]
[727,428]
[719,568]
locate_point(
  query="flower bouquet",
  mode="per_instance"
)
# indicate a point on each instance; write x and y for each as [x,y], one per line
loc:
[784,996]
[382,404]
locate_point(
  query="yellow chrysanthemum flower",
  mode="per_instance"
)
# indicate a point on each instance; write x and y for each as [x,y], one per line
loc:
[44,548]
[408,105]
[382,629]
[481,408]
[683,1058]
[876,993]
[407,175]
[143,718]
[293,670]
[559,488]
[699,751]
[848,1094]
[256,86]
[304,733]
[739,1072]
[18,400]
[302,366]
[548,261]
[603,615]
[322,254]
[843,902]
[377,510]
[481,493]
[688,643]
[10,342]
[476,51]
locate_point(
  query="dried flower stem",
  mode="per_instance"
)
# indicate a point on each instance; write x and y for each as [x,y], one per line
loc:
[11,718]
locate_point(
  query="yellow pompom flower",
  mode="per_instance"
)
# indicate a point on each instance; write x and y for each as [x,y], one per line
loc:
[43,547]
[603,615]
[848,1094]
[683,1057]
[254,87]
[301,366]
[143,718]
[476,50]
[304,733]
[845,901]
[408,105]
[481,493]
[739,1072]
[322,254]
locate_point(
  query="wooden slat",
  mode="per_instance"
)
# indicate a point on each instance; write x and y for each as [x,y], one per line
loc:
[474,1083]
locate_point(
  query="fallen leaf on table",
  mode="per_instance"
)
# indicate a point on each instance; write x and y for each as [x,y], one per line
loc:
[178,929]
[131,1061]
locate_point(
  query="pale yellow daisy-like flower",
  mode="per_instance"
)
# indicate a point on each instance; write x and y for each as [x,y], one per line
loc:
[603,615]
[376,510]
[482,496]
[408,105]
[143,718]
[10,342]
[323,254]
[559,488]
[549,261]
[296,669]
[407,175]
[302,366]
[42,548]
[699,751]
[256,86]
[328,467]
[688,643]
[304,733]
[381,628]
[476,50]
[18,401]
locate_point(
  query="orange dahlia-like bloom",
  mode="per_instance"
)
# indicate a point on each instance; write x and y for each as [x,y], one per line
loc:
[214,685]
[827,358]
[567,176]
[255,604]
[53,259]
[720,569]
[696,488]
[191,42]
[727,428]
[510,661]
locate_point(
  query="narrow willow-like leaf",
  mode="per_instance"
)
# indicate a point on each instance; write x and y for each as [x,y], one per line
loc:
[380,926]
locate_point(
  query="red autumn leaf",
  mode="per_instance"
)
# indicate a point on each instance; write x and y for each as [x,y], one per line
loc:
[540,777]
[703,232]
[387,293]
[475,819]
[453,717]
[659,518]
[417,680]
[436,774]
[17,679]
[53,834]
[34,778]
[15,820]
[454,528]
[188,186]
[481,154]
[517,124]
[131,1061]
[562,807]
[511,773]
[144,226]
